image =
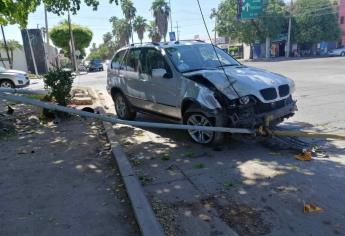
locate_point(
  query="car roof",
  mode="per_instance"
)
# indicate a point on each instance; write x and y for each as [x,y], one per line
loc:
[164,45]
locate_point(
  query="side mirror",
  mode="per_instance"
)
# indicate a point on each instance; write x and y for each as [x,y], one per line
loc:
[160,73]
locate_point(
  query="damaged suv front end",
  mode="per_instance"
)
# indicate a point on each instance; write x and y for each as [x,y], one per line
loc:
[245,97]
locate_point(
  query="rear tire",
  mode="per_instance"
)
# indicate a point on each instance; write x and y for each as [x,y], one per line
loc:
[342,54]
[122,107]
[198,117]
[6,84]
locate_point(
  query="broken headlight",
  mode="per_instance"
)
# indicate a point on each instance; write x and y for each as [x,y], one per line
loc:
[244,100]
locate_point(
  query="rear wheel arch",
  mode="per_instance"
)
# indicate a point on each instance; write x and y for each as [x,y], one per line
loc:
[114,91]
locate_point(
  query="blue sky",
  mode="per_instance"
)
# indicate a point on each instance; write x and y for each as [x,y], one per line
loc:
[185,12]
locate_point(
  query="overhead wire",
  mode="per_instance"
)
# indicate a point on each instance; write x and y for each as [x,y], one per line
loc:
[215,51]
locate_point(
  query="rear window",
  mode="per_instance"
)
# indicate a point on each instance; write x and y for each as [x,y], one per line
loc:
[96,62]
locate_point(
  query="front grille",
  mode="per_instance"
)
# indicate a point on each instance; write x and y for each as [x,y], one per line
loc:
[269,93]
[284,90]
[267,107]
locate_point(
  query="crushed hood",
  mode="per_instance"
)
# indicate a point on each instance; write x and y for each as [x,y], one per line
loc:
[245,80]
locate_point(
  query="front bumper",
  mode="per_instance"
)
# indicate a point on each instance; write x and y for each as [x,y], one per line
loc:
[22,85]
[250,119]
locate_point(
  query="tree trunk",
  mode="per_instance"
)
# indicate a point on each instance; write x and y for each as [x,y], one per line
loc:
[268,47]
[3,63]
[11,63]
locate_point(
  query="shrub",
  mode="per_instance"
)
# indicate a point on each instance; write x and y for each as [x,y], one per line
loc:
[59,83]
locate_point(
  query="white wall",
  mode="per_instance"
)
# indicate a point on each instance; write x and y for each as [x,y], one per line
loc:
[19,60]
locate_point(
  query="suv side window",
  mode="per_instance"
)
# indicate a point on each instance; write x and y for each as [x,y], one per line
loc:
[132,61]
[154,60]
[117,60]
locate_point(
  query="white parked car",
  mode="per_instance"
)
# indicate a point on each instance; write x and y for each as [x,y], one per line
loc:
[13,78]
[337,52]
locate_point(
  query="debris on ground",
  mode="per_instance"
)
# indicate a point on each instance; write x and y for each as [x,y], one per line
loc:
[304,156]
[311,208]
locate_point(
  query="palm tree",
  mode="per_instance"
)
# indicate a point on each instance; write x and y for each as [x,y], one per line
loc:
[129,12]
[121,31]
[161,12]
[154,33]
[140,26]
[12,46]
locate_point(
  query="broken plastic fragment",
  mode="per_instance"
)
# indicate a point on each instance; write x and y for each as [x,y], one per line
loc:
[305,156]
[311,208]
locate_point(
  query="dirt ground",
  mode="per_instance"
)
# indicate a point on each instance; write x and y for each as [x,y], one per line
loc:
[247,188]
[58,178]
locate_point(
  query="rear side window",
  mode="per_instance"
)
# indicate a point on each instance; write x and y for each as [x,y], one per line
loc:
[154,60]
[132,61]
[117,60]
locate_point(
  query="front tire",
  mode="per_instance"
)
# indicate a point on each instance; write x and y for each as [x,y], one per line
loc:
[342,54]
[198,117]
[6,84]
[122,107]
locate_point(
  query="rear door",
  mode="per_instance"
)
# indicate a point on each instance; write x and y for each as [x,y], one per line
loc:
[114,80]
[136,83]
[162,92]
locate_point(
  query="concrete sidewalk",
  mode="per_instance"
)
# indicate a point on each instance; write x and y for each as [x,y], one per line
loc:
[60,179]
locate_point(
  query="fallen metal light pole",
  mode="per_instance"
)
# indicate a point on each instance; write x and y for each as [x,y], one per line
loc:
[4,94]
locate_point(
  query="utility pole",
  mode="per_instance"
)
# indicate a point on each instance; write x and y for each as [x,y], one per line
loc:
[32,52]
[171,24]
[215,31]
[177,31]
[47,37]
[6,46]
[288,46]
[73,58]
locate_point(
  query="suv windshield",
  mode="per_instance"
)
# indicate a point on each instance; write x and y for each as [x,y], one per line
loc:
[194,57]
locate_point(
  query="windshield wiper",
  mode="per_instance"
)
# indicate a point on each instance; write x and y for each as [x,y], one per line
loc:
[192,70]
[227,65]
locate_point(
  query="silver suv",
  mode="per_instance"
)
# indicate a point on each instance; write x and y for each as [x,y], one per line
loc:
[189,82]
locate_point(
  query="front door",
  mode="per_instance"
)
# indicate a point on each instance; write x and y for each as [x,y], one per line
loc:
[162,92]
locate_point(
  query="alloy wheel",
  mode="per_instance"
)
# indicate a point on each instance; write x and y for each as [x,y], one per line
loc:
[6,84]
[203,137]
[120,106]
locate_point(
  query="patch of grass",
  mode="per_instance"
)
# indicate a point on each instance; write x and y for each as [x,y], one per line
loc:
[189,154]
[35,96]
[199,166]
[165,157]
[7,135]
[228,184]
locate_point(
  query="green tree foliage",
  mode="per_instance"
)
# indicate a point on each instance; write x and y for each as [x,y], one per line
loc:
[105,50]
[154,33]
[17,12]
[315,21]
[140,26]
[161,12]
[60,36]
[121,30]
[12,46]
[269,24]
[129,11]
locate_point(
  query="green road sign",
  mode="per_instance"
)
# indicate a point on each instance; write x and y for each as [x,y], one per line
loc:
[251,9]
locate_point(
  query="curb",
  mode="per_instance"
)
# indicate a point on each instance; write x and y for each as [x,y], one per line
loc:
[146,218]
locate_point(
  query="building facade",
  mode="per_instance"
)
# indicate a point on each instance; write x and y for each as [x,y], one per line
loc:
[342,20]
